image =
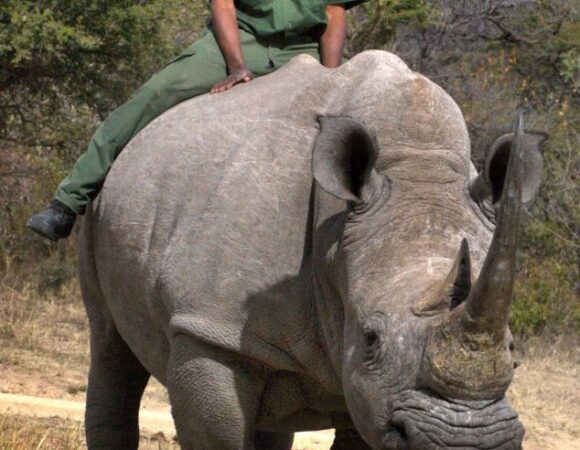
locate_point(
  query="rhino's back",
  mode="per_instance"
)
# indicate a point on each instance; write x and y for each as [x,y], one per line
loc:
[203,219]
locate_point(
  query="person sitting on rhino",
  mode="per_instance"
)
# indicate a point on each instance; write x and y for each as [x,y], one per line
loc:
[246,38]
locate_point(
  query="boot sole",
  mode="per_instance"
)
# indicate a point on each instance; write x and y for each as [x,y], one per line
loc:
[43,229]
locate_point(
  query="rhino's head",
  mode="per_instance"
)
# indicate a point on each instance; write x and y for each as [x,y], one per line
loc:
[425,352]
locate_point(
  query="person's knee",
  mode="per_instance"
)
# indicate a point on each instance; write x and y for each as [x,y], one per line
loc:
[168,95]
[159,97]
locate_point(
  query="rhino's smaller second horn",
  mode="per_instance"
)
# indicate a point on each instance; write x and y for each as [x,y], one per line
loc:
[462,276]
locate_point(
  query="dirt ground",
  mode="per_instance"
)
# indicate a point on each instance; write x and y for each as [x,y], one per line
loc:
[546,393]
[51,361]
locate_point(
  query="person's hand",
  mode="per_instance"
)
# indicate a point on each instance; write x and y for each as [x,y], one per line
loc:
[237,76]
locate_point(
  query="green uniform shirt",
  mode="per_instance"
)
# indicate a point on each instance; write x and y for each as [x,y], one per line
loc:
[286,18]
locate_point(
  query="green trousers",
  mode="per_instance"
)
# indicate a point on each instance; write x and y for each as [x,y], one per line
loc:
[192,73]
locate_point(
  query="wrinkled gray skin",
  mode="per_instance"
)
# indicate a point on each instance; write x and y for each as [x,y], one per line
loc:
[268,303]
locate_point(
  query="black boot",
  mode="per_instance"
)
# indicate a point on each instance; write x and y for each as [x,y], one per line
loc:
[54,223]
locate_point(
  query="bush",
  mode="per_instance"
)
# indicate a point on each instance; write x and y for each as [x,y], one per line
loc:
[545,298]
[63,66]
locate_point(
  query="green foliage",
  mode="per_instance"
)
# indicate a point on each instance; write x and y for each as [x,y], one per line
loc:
[546,297]
[63,66]
[570,67]
[376,22]
[545,43]
[547,286]
[83,50]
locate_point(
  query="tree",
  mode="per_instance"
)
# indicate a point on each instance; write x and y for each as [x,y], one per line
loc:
[63,67]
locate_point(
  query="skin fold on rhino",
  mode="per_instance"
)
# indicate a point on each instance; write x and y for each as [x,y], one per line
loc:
[311,250]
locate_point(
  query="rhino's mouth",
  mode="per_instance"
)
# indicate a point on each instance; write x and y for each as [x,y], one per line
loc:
[423,421]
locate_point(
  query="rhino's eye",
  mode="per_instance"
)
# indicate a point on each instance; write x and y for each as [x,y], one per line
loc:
[374,332]
[372,351]
[371,338]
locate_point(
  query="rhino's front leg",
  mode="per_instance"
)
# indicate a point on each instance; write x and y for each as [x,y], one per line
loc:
[116,382]
[214,396]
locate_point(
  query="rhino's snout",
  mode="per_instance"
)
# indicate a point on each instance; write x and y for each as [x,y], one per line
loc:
[423,421]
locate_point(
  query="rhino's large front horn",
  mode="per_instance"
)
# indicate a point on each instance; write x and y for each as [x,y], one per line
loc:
[467,355]
[488,305]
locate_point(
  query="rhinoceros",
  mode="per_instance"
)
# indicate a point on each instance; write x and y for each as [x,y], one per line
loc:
[311,250]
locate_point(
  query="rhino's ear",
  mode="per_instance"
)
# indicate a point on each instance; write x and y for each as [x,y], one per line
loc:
[343,159]
[489,183]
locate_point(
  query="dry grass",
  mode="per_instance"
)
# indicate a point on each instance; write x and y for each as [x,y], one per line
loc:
[25,433]
[44,342]
[546,393]
[42,334]
[52,322]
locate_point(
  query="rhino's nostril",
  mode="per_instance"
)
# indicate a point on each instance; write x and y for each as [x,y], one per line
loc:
[396,439]
[402,432]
